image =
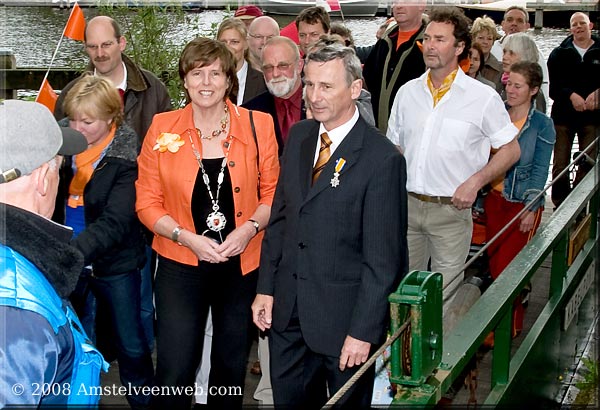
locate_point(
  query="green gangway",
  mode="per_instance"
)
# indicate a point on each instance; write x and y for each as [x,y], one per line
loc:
[533,375]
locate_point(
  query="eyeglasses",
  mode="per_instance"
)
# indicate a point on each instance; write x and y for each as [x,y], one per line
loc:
[104,46]
[281,67]
[259,37]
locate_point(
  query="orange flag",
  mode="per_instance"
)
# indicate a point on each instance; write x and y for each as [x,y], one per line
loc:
[47,96]
[75,27]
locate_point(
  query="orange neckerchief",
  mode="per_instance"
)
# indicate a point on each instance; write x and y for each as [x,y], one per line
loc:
[498,183]
[84,164]
[438,93]
[404,36]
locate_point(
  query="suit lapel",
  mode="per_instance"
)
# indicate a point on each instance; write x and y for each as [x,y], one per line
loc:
[307,155]
[349,149]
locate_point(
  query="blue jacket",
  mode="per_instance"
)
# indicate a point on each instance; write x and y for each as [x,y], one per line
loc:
[527,177]
[46,357]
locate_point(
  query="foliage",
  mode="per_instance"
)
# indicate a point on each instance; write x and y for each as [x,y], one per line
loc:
[155,37]
[588,387]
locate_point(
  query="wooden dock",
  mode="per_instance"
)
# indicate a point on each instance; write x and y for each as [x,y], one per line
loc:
[461,396]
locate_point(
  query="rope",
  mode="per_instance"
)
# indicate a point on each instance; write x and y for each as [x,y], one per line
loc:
[528,206]
[334,399]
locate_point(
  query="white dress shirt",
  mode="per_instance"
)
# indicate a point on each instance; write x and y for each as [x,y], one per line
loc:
[336,135]
[123,84]
[445,145]
[242,75]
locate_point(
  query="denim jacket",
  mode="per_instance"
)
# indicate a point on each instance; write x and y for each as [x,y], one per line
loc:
[528,176]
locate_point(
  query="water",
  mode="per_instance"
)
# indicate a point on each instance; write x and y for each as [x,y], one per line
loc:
[33,33]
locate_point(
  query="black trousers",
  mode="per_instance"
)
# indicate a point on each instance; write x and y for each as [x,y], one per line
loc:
[183,296]
[301,377]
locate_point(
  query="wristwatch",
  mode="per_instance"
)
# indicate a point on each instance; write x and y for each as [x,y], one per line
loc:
[175,234]
[255,224]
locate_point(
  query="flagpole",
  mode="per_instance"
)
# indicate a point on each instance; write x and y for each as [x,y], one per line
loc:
[54,55]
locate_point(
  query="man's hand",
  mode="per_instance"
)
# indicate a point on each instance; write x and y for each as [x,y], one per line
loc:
[354,352]
[578,102]
[262,311]
[592,101]
[465,194]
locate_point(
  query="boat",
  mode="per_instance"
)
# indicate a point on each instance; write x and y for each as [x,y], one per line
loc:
[350,8]
[551,13]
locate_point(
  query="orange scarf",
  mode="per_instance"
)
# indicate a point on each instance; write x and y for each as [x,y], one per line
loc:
[438,93]
[84,164]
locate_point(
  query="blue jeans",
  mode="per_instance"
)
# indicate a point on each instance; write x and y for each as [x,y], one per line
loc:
[119,296]
[147,302]
[84,303]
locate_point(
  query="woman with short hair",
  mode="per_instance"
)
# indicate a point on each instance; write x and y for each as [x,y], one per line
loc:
[484,33]
[520,47]
[205,189]
[100,207]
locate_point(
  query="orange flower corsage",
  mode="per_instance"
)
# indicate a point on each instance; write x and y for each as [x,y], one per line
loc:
[168,142]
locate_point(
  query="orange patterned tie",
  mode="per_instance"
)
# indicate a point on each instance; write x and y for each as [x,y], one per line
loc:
[324,154]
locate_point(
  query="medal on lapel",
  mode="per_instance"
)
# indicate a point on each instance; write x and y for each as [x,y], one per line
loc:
[339,165]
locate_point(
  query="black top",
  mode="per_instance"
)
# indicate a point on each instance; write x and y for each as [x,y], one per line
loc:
[112,240]
[202,205]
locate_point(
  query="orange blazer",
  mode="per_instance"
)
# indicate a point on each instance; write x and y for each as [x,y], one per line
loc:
[166,179]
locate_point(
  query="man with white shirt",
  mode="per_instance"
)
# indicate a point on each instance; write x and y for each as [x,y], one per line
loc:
[335,246]
[445,123]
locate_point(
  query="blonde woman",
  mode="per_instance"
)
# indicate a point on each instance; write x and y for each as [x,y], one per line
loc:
[233,33]
[484,33]
[100,206]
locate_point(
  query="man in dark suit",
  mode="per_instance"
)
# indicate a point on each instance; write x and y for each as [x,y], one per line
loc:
[282,69]
[334,248]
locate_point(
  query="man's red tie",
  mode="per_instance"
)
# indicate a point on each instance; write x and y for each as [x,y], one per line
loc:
[288,120]
[122,94]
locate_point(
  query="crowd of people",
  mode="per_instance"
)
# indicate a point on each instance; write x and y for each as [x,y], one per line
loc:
[296,188]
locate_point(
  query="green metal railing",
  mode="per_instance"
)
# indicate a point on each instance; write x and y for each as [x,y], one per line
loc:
[493,311]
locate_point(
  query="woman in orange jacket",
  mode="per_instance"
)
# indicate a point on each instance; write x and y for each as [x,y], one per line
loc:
[205,189]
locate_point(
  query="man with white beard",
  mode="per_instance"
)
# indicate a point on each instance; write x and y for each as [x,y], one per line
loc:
[282,68]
